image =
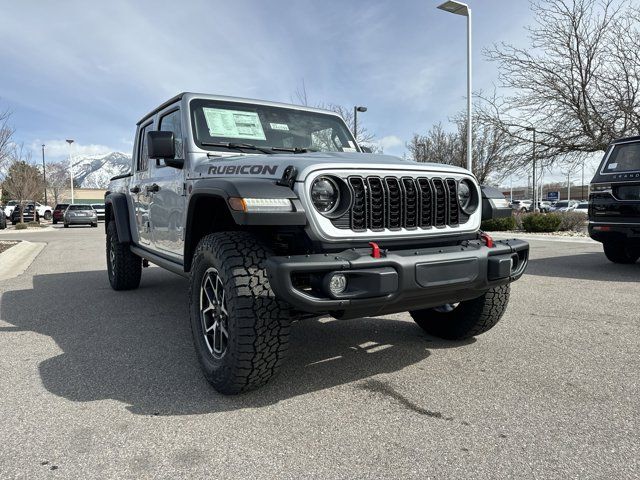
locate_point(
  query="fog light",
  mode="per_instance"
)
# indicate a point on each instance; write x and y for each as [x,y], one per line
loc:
[337,284]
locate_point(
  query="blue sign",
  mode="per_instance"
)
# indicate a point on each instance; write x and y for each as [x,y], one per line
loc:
[553,196]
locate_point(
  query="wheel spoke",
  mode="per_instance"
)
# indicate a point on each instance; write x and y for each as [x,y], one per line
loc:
[213,313]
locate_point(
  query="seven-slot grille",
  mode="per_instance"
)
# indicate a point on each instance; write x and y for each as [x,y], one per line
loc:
[392,203]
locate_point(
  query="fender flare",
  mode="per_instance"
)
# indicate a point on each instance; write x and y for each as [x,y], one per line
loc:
[224,188]
[117,203]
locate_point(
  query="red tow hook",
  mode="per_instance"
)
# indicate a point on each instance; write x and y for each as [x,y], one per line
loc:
[487,239]
[375,249]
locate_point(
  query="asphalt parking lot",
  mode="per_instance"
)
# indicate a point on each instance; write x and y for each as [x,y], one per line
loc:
[97,383]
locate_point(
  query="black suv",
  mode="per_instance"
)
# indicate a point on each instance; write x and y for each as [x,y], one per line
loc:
[614,203]
[30,214]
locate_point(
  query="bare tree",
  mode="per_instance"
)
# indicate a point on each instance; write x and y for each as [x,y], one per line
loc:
[23,181]
[494,153]
[58,180]
[577,83]
[363,135]
[6,135]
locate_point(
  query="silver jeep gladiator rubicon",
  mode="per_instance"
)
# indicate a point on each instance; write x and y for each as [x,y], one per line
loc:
[275,213]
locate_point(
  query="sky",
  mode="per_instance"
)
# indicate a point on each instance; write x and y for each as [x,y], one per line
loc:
[90,70]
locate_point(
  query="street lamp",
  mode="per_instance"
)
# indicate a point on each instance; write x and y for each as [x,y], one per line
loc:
[44,175]
[355,120]
[459,8]
[71,168]
[535,189]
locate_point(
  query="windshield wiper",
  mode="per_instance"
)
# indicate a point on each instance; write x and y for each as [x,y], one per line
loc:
[238,146]
[293,149]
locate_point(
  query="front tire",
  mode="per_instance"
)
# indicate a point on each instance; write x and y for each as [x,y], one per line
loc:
[240,330]
[467,319]
[620,252]
[123,266]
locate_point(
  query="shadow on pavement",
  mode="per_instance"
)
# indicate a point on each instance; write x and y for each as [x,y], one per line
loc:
[136,347]
[587,265]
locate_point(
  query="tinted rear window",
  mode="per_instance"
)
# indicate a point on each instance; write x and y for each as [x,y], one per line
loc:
[97,205]
[80,207]
[61,206]
[624,157]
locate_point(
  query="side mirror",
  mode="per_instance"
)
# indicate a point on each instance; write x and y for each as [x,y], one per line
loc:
[366,149]
[160,145]
[494,205]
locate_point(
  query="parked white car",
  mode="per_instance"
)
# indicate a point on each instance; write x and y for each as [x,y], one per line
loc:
[45,211]
[8,208]
[565,206]
[582,207]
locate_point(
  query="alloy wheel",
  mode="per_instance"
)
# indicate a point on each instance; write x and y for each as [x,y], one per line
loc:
[213,313]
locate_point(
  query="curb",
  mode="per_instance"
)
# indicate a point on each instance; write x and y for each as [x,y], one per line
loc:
[17,259]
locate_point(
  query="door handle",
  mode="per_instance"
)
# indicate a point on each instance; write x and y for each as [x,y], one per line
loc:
[153,188]
[135,189]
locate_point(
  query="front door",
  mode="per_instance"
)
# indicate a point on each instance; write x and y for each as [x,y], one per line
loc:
[168,200]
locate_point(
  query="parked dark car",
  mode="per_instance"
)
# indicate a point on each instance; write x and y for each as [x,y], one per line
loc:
[614,202]
[3,220]
[80,214]
[58,212]
[30,214]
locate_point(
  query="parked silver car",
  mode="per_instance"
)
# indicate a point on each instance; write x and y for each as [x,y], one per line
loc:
[80,214]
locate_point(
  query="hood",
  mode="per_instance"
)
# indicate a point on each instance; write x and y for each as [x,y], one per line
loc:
[273,166]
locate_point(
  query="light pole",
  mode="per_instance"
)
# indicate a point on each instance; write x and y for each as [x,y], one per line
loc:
[355,120]
[582,185]
[535,187]
[71,168]
[44,175]
[459,8]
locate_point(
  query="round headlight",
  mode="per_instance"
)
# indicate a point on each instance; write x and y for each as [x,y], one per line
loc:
[466,197]
[325,194]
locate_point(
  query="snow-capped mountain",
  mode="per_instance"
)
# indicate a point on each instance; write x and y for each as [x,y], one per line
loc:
[94,171]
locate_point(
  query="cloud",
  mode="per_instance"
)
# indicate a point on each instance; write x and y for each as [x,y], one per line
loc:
[390,142]
[59,149]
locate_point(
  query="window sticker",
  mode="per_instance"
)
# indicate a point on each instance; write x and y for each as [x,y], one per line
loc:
[233,124]
[612,166]
[279,126]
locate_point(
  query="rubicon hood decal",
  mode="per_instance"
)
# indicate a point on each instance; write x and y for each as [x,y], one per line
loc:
[243,169]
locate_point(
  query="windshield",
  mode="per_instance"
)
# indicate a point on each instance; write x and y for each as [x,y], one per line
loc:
[61,206]
[97,205]
[268,127]
[624,157]
[561,204]
[583,205]
[80,207]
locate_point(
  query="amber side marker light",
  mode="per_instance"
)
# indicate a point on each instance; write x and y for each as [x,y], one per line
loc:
[260,204]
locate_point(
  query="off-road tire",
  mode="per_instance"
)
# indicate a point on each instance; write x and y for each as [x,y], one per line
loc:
[467,319]
[619,252]
[258,324]
[125,269]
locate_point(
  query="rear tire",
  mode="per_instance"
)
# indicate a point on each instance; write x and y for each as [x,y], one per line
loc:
[47,215]
[55,221]
[240,330]
[123,266]
[621,252]
[468,318]
[66,225]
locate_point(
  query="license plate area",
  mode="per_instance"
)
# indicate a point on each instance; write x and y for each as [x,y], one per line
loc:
[447,272]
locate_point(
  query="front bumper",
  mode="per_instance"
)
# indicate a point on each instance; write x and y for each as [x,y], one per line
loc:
[401,280]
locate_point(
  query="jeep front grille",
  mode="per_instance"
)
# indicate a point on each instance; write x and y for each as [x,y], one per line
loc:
[393,203]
